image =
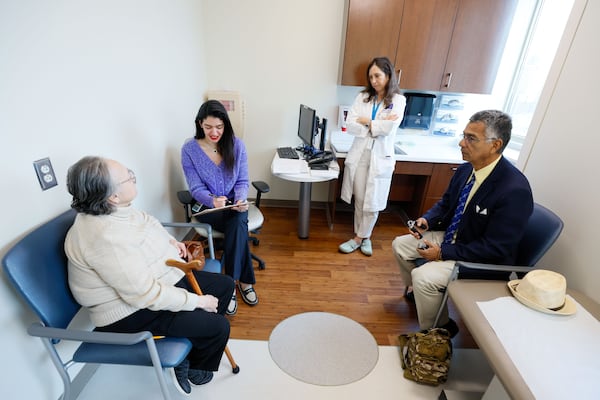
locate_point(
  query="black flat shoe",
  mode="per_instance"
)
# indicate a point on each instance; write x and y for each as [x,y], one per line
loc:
[199,377]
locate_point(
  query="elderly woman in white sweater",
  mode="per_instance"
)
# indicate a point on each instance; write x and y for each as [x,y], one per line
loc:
[117,270]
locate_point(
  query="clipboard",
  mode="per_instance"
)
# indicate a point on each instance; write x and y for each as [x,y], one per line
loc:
[210,210]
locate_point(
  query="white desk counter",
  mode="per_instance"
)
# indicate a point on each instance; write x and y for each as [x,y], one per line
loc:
[418,147]
[299,171]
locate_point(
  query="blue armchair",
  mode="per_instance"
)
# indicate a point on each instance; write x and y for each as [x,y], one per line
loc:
[37,267]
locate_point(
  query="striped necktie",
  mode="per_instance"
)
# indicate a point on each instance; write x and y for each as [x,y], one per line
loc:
[462,200]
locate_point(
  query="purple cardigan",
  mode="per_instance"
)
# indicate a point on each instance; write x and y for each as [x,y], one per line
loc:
[205,178]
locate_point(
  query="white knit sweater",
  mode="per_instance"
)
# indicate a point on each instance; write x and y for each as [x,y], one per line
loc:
[117,266]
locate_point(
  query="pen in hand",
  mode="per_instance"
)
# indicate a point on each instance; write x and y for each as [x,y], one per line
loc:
[214,196]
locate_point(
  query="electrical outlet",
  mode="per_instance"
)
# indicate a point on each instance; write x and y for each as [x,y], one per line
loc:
[45,173]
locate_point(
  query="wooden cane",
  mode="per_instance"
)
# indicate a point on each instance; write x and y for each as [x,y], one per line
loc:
[187,268]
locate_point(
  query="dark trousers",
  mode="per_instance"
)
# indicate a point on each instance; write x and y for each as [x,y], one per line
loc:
[208,332]
[236,251]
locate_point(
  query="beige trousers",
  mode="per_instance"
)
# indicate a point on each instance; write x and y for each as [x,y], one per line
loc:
[426,280]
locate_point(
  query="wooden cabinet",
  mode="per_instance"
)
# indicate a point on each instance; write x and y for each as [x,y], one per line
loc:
[372,30]
[438,183]
[478,40]
[425,37]
[440,45]
[418,184]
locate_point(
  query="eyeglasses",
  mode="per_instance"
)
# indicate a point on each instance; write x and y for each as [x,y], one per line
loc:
[131,178]
[472,139]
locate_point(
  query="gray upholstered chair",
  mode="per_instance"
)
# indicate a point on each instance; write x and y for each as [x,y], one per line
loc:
[255,217]
[543,229]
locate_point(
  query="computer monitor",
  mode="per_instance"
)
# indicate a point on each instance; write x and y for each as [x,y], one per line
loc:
[307,125]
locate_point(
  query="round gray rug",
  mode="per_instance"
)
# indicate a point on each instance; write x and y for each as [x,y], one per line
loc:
[323,348]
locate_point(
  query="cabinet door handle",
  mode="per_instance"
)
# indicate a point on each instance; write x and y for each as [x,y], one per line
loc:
[448,79]
[454,169]
[399,73]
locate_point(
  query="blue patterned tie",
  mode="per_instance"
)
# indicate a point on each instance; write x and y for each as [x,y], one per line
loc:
[462,200]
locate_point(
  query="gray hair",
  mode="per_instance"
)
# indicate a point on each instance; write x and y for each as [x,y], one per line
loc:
[90,184]
[498,125]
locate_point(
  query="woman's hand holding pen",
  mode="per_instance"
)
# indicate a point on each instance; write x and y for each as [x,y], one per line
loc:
[219,201]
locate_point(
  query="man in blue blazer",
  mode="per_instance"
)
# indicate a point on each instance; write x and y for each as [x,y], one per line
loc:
[498,205]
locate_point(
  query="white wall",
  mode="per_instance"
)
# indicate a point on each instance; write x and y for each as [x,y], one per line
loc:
[121,79]
[564,145]
[278,54]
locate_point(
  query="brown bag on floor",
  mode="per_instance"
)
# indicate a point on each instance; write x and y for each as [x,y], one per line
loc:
[426,356]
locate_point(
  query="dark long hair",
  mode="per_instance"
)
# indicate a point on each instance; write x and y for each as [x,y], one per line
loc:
[214,108]
[391,88]
[90,184]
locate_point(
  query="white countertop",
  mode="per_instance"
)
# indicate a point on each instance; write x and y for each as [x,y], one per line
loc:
[418,147]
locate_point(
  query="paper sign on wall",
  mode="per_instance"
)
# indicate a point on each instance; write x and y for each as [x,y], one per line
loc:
[232,101]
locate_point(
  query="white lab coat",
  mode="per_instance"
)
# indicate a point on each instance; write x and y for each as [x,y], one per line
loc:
[381,137]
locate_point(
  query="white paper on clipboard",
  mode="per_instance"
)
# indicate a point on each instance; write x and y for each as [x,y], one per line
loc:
[210,210]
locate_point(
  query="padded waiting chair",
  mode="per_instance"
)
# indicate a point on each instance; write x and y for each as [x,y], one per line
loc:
[255,217]
[37,267]
[543,229]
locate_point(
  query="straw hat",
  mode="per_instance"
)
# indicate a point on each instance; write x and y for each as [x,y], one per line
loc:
[543,291]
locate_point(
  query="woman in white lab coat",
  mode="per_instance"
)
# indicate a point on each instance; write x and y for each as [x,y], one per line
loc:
[373,120]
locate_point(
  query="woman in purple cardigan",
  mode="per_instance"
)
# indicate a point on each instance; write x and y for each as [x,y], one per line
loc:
[215,165]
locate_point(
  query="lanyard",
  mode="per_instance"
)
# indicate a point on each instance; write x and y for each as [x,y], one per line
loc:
[375,108]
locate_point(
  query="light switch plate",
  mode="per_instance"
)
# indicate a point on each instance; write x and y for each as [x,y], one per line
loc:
[45,173]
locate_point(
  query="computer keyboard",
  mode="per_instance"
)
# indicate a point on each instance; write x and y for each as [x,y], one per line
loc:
[287,152]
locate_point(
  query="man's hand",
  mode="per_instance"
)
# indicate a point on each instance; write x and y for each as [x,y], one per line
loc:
[421,225]
[432,252]
[208,303]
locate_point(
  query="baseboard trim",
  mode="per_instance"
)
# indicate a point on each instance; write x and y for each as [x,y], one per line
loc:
[291,203]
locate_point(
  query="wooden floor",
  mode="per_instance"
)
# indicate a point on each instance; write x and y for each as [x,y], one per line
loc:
[311,275]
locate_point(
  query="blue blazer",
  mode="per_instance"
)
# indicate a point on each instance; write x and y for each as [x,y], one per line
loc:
[493,222]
